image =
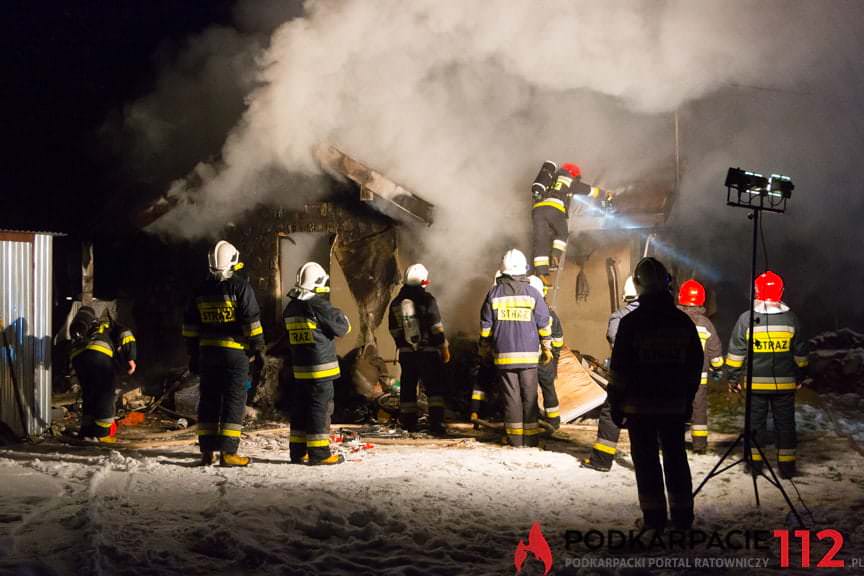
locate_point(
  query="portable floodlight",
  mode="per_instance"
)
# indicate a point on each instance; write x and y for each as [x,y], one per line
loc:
[754,191]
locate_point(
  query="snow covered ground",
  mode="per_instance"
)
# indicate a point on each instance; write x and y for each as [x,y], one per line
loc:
[409,510]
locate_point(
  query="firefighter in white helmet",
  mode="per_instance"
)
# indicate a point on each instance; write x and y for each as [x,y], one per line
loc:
[416,326]
[222,327]
[606,445]
[313,324]
[515,320]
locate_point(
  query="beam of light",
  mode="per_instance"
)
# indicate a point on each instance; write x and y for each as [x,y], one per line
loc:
[612,220]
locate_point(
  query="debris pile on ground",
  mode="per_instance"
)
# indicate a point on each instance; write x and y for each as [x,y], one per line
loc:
[837,361]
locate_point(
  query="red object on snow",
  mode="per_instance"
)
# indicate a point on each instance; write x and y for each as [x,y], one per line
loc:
[691,293]
[769,287]
[573,169]
[131,419]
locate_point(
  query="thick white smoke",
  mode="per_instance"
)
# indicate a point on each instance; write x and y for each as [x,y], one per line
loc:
[461,101]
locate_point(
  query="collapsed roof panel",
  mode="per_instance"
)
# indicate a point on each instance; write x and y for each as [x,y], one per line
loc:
[385,195]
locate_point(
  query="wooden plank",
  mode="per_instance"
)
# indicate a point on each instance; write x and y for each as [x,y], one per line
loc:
[578,392]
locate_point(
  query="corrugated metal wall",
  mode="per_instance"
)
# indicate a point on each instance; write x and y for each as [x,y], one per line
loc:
[26,304]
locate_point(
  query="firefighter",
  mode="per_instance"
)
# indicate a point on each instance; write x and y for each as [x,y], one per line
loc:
[654,377]
[515,323]
[547,373]
[418,331]
[779,365]
[691,299]
[96,346]
[483,376]
[552,191]
[222,327]
[313,324]
[606,446]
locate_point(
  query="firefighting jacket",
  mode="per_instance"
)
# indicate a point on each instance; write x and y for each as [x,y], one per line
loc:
[564,187]
[313,325]
[656,361]
[557,334]
[109,338]
[224,315]
[429,324]
[779,350]
[711,345]
[515,318]
[615,319]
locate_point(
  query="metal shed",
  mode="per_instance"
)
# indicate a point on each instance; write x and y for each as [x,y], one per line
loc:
[26,303]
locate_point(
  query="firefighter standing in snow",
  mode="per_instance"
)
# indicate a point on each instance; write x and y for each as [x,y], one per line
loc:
[655,369]
[418,331]
[96,344]
[779,365]
[548,373]
[515,320]
[223,331]
[606,445]
[691,300]
[313,324]
[552,190]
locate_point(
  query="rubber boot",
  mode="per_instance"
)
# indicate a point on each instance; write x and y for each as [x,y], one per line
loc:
[332,459]
[208,458]
[588,463]
[786,470]
[234,460]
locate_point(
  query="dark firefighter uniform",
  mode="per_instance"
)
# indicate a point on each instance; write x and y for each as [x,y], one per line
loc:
[655,369]
[547,373]
[223,330]
[550,213]
[419,335]
[779,363]
[313,324]
[99,344]
[713,351]
[606,446]
[515,318]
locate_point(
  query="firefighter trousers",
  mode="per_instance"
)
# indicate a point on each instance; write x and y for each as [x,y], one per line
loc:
[483,377]
[224,372]
[427,367]
[96,376]
[550,237]
[311,409]
[699,420]
[782,407]
[648,435]
[546,375]
[606,445]
[519,391]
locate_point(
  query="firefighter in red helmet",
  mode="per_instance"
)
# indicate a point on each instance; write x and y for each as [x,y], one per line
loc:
[552,190]
[691,300]
[779,365]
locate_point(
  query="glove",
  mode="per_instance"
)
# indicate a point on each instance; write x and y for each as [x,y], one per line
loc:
[445,354]
[257,358]
[193,364]
[546,357]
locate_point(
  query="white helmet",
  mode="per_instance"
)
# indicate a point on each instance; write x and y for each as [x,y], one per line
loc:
[630,293]
[311,277]
[537,284]
[224,260]
[417,275]
[514,263]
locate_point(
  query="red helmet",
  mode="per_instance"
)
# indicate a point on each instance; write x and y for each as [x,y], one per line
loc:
[573,169]
[769,287]
[691,293]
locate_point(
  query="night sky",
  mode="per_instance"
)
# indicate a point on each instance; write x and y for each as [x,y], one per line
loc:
[68,67]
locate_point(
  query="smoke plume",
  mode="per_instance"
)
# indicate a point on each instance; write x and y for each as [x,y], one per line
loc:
[461,101]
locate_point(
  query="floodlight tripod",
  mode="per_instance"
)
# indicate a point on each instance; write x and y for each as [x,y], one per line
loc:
[756,201]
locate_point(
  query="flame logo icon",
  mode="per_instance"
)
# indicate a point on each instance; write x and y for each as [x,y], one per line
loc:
[537,545]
